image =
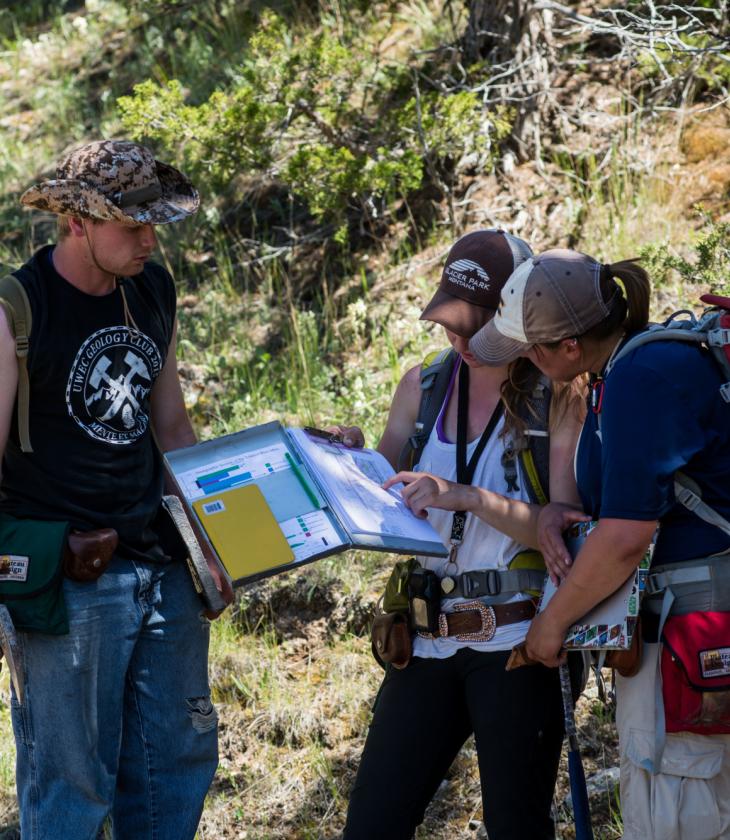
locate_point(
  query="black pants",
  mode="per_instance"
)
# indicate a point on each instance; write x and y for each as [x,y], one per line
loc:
[422,717]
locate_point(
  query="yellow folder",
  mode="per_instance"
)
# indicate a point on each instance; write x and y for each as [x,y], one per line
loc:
[243,531]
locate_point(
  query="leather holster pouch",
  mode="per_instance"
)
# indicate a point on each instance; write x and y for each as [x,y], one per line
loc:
[89,553]
[391,639]
[627,662]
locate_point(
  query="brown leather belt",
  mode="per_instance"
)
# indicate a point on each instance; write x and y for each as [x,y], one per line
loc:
[474,621]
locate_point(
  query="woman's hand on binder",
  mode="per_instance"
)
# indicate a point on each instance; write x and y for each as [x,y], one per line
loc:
[423,490]
[351,435]
[552,521]
[544,641]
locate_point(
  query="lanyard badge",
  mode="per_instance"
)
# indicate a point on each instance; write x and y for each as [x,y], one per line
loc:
[465,470]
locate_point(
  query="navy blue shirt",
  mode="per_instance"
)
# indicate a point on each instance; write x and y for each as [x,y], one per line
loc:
[662,412]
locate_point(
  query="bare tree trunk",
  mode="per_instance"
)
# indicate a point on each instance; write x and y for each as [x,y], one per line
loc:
[517,35]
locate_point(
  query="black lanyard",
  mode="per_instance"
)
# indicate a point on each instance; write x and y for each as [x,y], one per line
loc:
[465,470]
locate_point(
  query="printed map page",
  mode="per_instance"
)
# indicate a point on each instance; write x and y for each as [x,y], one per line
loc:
[352,480]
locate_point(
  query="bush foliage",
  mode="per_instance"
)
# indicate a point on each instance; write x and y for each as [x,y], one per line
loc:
[344,129]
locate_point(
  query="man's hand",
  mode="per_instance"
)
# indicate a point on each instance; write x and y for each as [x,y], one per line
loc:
[424,490]
[351,435]
[552,521]
[544,641]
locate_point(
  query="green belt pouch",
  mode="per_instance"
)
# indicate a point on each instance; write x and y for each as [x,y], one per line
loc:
[31,574]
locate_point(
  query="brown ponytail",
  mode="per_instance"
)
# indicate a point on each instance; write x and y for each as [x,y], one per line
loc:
[635,281]
[628,303]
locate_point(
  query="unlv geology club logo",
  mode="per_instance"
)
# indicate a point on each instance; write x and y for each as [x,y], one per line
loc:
[110,382]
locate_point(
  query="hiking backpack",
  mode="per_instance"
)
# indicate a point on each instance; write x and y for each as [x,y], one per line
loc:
[530,452]
[712,331]
[15,303]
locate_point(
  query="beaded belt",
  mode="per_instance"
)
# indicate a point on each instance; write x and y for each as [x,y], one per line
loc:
[474,621]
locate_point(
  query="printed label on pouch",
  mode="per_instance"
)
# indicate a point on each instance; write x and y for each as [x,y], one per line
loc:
[715,663]
[14,567]
[214,507]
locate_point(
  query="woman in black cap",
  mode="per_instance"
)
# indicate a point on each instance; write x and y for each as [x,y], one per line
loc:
[477,469]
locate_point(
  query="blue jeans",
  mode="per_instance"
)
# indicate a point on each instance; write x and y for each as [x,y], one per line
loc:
[117,717]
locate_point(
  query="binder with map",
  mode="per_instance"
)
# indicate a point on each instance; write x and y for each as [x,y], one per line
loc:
[269,499]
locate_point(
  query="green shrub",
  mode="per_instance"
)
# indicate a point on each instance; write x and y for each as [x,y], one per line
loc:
[710,266]
[320,111]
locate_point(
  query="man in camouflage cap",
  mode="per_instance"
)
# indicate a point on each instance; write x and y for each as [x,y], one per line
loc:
[116,718]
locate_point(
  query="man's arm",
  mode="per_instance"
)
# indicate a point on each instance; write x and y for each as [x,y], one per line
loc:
[172,429]
[8,380]
[610,554]
[170,421]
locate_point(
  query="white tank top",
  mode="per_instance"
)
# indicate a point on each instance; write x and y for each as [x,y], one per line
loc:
[483,547]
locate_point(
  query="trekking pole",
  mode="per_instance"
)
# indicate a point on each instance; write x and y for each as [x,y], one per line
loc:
[578,789]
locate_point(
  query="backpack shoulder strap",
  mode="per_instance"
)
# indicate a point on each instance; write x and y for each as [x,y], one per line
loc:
[689,494]
[687,491]
[15,303]
[534,456]
[657,332]
[436,372]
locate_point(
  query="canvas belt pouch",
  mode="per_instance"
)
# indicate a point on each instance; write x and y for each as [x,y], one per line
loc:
[31,574]
[390,634]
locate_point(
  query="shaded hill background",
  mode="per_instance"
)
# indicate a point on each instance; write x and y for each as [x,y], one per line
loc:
[340,146]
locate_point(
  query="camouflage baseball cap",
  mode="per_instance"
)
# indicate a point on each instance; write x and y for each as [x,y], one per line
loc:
[118,181]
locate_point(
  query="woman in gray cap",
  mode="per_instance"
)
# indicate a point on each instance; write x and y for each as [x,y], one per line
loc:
[479,602]
[654,450]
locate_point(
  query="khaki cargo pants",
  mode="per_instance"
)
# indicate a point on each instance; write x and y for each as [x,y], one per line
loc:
[690,798]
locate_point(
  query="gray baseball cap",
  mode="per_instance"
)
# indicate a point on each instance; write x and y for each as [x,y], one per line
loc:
[476,268]
[549,297]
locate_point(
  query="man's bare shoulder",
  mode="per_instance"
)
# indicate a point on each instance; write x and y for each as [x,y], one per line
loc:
[7,339]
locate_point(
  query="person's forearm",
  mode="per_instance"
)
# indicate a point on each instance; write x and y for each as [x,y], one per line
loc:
[513,517]
[603,564]
[177,435]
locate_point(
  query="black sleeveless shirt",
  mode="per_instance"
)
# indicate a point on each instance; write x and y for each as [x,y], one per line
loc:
[94,461]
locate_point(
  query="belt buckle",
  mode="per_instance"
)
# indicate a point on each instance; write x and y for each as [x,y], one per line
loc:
[489,622]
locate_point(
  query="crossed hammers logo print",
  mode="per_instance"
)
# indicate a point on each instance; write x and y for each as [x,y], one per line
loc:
[110,383]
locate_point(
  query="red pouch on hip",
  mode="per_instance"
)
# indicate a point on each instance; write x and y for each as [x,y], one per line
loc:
[696,673]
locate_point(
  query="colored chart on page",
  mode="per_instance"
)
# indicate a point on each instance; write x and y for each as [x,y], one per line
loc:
[309,534]
[226,473]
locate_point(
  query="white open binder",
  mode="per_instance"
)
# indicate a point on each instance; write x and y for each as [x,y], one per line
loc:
[269,499]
